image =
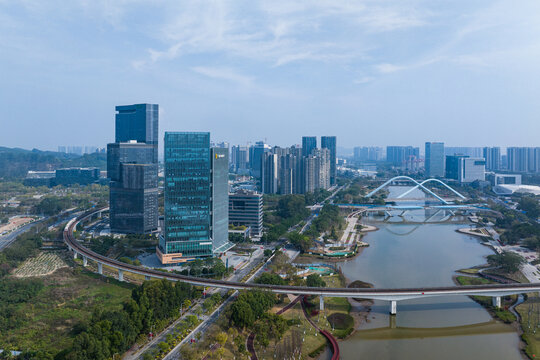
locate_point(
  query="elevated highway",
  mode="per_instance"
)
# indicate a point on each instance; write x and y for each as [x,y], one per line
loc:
[392,295]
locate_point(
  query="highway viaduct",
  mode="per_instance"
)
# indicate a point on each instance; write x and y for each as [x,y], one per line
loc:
[496,291]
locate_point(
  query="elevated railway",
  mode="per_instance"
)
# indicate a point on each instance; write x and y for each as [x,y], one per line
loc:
[496,291]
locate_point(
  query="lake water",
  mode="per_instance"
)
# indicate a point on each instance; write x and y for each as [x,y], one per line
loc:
[410,255]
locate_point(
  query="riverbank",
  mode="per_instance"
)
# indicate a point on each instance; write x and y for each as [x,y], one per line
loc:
[480,232]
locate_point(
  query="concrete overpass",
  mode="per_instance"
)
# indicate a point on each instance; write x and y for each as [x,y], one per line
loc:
[496,291]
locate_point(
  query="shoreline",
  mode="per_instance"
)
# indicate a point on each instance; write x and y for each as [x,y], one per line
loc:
[516,324]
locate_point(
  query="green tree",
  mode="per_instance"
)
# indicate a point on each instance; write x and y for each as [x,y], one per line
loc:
[221,338]
[270,279]
[315,280]
[302,242]
[530,205]
[507,261]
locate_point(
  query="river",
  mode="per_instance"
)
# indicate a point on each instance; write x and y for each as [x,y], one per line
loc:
[410,255]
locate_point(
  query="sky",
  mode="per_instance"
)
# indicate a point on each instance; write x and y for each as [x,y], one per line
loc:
[370,72]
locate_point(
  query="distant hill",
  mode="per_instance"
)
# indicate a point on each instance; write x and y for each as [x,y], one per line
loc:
[15,162]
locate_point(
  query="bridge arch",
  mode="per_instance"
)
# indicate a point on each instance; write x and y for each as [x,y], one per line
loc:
[431,180]
[418,185]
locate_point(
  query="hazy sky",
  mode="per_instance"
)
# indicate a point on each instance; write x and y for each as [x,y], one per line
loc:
[371,72]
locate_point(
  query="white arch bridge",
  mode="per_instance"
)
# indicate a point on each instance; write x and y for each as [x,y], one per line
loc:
[496,291]
[418,185]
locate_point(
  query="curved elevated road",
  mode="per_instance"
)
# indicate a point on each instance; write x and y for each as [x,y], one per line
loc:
[392,295]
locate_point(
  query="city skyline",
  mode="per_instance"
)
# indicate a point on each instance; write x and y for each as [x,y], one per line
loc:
[366,72]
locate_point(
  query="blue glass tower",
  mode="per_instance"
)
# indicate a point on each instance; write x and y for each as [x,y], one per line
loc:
[133,170]
[196,198]
[308,144]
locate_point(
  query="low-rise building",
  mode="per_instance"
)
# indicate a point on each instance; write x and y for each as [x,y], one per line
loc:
[246,208]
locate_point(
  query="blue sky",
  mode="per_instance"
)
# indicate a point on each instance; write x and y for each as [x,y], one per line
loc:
[370,72]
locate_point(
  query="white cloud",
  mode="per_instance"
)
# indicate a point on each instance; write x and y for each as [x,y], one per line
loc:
[388,68]
[221,73]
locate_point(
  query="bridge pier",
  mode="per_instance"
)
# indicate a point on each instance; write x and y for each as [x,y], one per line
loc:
[120,275]
[146,277]
[84,261]
[392,322]
[393,307]
[496,300]
[100,268]
[74,254]
[321,303]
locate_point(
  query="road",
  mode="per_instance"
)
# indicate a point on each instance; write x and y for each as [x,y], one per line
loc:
[6,240]
[207,320]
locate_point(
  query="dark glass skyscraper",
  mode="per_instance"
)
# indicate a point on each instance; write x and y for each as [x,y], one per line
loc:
[133,171]
[308,144]
[196,198]
[137,122]
[330,143]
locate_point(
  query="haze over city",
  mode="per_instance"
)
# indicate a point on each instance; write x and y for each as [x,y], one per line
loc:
[371,73]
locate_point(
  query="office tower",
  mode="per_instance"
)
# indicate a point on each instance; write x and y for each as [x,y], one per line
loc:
[453,164]
[465,169]
[196,198]
[246,208]
[137,122]
[255,157]
[62,149]
[464,150]
[434,159]
[472,169]
[132,167]
[308,144]
[493,158]
[329,142]
[403,157]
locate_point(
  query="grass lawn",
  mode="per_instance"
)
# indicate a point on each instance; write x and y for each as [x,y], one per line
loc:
[530,321]
[69,297]
[472,271]
[487,301]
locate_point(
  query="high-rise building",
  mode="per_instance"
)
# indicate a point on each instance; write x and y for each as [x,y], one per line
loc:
[493,158]
[464,150]
[286,171]
[246,208]
[137,122]
[133,171]
[255,157]
[404,157]
[196,198]
[329,142]
[364,153]
[308,144]
[239,159]
[316,170]
[270,174]
[523,159]
[434,159]
[453,163]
